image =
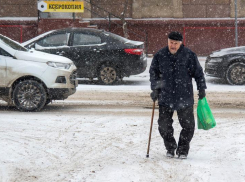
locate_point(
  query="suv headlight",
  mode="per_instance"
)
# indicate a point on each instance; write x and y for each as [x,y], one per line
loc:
[59,65]
[216,60]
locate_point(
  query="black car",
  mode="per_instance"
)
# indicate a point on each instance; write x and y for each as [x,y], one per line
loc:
[228,64]
[96,53]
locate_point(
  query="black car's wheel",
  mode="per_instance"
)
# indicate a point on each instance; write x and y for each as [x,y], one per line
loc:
[108,74]
[29,95]
[235,74]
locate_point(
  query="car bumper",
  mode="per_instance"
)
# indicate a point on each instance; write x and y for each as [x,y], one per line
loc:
[60,93]
[214,70]
[50,78]
[59,89]
[136,66]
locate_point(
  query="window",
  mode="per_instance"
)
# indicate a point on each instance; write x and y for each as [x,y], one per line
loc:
[12,44]
[117,37]
[85,39]
[55,40]
[4,53]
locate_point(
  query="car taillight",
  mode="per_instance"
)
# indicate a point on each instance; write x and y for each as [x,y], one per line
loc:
[134,51]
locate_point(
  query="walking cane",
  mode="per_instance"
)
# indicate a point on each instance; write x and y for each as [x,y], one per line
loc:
[152,116]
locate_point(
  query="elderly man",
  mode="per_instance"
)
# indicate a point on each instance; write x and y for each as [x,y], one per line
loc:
[171,73]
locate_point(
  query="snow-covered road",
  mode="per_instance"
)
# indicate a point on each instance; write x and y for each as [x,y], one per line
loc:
[87,143]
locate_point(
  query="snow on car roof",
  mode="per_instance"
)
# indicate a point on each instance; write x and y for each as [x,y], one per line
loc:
[226,51]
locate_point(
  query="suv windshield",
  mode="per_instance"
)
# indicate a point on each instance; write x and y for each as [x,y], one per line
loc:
[12,44]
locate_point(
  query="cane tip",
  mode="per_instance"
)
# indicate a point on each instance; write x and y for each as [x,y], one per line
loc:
[147,156]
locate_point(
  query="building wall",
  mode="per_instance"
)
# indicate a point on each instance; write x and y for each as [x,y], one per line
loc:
[136,9]
[202,36]
[206,25]
[19,30]
[18,8]
[206,8]
[157,9]
[112,6]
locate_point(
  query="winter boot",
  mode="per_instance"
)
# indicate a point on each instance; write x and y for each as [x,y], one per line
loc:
[170,153]
[182,156]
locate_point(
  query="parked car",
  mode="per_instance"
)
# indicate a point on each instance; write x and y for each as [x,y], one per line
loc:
[31,79]
[228,64]
[96,53]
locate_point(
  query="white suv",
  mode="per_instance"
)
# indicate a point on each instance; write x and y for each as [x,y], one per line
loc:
[31,79]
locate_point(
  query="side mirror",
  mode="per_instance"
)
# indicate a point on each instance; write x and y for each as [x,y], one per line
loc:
[31,46]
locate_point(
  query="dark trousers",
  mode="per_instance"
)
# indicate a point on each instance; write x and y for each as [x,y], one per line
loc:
[187,122]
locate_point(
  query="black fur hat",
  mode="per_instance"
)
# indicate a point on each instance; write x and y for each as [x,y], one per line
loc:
[175,36]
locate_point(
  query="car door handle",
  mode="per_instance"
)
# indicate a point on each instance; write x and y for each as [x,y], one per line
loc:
[60,53]
[95,50]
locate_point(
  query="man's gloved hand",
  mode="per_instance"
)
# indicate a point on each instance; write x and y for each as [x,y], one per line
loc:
[201,94]
[154,95]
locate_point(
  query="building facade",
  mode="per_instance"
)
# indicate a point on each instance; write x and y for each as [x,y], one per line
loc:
[206,25]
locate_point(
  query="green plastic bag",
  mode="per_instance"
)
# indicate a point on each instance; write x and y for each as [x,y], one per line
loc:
[205,119]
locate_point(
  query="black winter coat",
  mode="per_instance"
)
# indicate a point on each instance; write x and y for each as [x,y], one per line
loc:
[172,75]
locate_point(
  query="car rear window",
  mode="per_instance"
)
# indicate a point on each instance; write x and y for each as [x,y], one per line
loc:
[115,36]
[85,39]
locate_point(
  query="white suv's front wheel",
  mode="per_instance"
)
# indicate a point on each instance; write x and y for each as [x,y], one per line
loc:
[29,95]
